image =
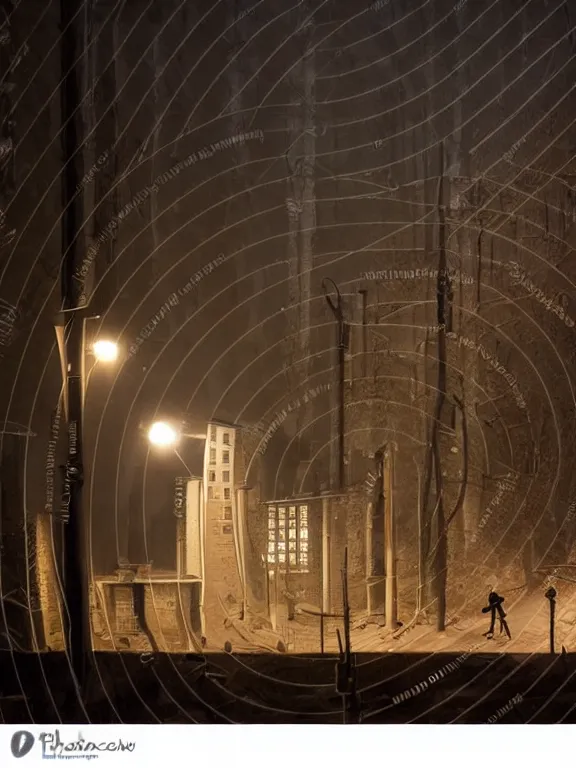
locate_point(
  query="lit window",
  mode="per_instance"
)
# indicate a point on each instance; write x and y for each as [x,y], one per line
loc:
[225,457]
[212,455]
[226,438]
[288,537]
[227,494]
[225,477]
[212,477]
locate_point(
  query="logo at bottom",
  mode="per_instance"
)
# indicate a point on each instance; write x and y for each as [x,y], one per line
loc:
[21,743]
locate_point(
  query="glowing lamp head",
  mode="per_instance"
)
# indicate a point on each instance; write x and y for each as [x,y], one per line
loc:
[105,351]
[162,435]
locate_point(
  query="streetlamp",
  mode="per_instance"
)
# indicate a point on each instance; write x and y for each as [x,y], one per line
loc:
[163,435]
[105,351]
[70,326]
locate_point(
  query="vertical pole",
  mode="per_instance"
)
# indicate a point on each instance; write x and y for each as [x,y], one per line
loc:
[347,669]
[419,596]
[322,632]
[179,549]
[444,307]
[364,336]
[266,571]
[369,557]
[552,612]
[241,507]
[75,555]
[326,558]
[390,553]
[341,364]
[347,643]
[273,591]
[551,595]
[337,478]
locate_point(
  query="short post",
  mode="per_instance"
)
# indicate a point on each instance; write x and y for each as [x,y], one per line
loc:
[551,595]
[273,599]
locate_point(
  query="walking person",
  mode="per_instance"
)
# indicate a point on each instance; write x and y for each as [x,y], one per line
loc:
[495,606]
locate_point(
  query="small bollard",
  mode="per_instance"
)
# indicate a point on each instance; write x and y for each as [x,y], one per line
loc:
[551,595]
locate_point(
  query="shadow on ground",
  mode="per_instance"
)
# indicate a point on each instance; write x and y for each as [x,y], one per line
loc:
[266,688]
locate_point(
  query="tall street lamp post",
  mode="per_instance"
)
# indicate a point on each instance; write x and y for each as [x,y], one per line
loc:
[71,334]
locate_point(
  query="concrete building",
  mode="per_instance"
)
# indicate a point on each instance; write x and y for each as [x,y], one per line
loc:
[139,608]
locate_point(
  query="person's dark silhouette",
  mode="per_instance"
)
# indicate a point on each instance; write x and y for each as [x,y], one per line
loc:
[495,605]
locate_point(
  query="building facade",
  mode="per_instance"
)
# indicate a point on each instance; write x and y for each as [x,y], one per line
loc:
[223,590]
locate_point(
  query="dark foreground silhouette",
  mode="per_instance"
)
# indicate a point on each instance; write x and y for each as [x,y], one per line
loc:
[230,688]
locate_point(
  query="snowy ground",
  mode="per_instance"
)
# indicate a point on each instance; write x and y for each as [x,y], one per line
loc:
[528,617]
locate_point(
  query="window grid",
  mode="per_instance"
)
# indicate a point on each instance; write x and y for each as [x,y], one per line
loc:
[212,455]
[288,537]
[227,494]
[225,477]
[126,620]
[225,457]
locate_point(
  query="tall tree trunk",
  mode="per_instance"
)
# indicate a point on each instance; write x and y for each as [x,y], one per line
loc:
[434,523]
[156,19]
[301,205]
[238,72]
[442,422]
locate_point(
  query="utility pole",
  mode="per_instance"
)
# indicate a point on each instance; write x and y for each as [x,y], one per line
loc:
[342,335]
[442,412]
[75,556]
[363,333]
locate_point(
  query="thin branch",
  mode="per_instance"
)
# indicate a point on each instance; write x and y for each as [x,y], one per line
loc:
[557,576]
[12,601]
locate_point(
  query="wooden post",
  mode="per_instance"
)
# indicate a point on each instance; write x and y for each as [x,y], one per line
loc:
[389,538]
[326,557]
